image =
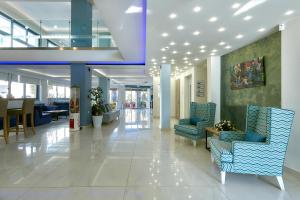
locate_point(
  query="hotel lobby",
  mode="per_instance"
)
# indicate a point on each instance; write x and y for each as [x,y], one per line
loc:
[148,99]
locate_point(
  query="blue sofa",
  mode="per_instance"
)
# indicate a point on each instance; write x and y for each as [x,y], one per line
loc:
[261,150]
[201,116]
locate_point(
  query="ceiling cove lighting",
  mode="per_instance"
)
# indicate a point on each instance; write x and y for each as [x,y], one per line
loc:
[180,27]
[239,36]
[261,30]
[289,12]
[213,19]
[165,34]
[248,17]
[197,9]
[236,5]
[221,29]
[196,33]
[248,6]
[134,9]
[173,16]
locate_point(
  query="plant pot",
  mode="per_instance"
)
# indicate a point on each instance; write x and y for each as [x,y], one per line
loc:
[97,121]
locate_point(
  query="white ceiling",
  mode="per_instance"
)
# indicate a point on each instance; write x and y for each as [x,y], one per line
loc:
[267,15]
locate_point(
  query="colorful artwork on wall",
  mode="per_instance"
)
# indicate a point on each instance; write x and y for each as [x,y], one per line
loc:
[248,74]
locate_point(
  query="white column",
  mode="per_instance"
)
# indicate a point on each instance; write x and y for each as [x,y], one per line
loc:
[165,96]
[44,91]
[214,83]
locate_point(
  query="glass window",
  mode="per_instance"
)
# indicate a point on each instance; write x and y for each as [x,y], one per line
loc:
[18,44]
[3,88]
[60,92]
[19,32]
[67,92]
[5,40]
[17,90]
[31,90]
[52,45]
[52,91]
[5,25]
[33,39]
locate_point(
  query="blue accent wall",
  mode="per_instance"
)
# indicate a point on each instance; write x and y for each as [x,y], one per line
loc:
[104,84]
[81,23]
[81,77]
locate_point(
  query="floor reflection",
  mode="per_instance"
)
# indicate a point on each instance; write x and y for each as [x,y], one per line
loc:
[137,119]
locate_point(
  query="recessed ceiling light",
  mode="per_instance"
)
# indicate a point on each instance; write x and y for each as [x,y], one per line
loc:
[172,16]
[197,9]
[196,59]
[235,5]
[212,54]
[165,34]
[202,50]
[163,61]
[188,53]
[186,44]
[190,64]
[214,50]
[239,36]
[164,57]
[261,30]
[172,43]
[248,17]
[153,60]
[186,62]
[289,12]
[213,19]
[228,47]
[55,26]
[222,43]
[196,33]
[221,29]
[163,49]
[202,47]
[180,27]
[174,52]
[185,58]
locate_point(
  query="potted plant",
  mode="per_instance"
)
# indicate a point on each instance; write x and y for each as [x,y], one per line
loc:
[225,125]
[97,102]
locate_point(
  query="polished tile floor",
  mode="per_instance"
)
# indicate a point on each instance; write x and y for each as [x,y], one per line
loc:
[128,159]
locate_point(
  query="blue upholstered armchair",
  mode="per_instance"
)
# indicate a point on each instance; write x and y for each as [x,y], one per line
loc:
[201,116]
[261,149]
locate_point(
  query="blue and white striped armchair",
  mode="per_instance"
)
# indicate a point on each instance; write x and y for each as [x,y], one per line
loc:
[201,116]
[233,152]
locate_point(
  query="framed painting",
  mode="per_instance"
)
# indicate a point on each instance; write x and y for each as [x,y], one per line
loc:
[248,74]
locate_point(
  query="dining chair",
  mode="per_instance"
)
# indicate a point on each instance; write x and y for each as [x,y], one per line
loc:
[3,115]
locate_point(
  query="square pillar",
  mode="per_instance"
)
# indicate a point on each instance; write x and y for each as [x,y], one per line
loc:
[165,96]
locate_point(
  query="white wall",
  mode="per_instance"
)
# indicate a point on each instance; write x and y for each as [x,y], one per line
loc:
[214,83]
[290,95]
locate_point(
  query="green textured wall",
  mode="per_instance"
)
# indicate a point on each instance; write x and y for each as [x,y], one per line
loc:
[233,102]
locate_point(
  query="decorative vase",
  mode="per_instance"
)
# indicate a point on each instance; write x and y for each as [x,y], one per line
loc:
[97,121]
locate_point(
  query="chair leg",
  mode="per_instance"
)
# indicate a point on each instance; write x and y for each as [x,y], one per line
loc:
[223,175]
[280,182]
[24,125]
[194,143]
[32,123]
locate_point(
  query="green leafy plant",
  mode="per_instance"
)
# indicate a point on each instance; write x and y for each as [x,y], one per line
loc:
[225,125]
[96,97]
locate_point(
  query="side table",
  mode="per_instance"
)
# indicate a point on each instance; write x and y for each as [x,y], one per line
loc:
[213,131]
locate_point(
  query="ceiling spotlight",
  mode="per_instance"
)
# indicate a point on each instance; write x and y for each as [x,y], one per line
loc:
[196,59]
[214,50]
[186,44]
[261,30]
[185,58]
[197,9]
[202,47]
[153,60]
[221,29]
[172,16]
[190,64]
[165,34]
[239,36]
[164,57]
[196,33]
[186,62]
[202,50]
[213,19]
[180,27]
[163,61]
[188,53]
[212,54]
[163,49]
[222,43]
[235,5]
[228,47]
[247,18]
[172,43]
[289,12]
[174,52]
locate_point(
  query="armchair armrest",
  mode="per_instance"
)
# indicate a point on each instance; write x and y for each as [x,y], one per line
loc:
[184,122]
[229,136]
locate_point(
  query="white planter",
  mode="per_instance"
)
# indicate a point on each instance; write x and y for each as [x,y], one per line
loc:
[97,121]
